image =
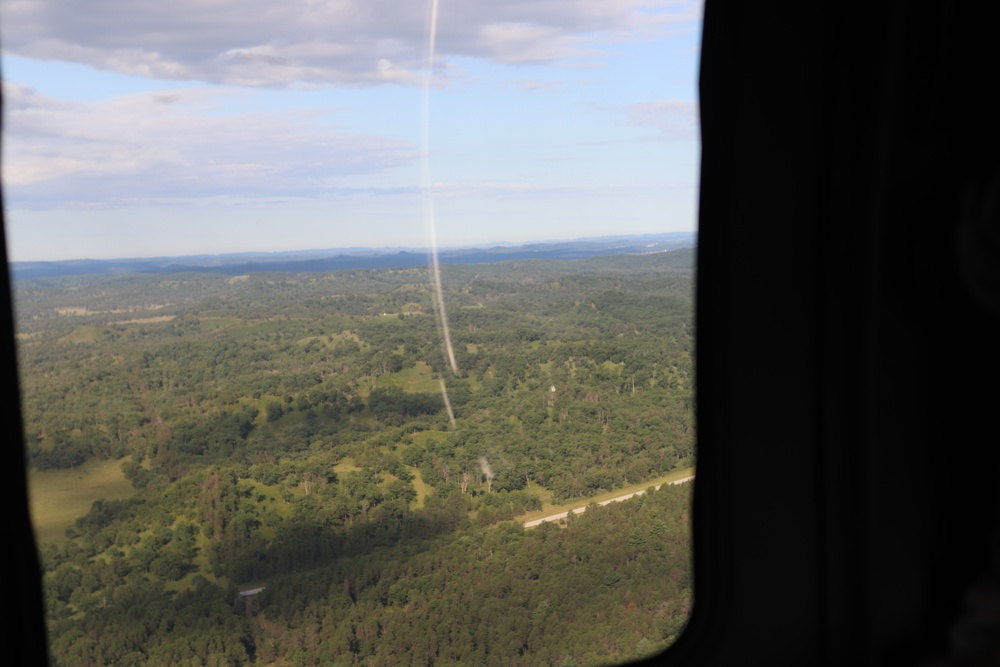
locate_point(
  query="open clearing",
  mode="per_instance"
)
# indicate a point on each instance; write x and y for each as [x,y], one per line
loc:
[60,497]
[416,379]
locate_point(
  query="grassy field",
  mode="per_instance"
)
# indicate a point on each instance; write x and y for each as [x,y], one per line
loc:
[85,334]
[420,486]
[424,437]
[149,320]
[59,497]
[418,378]
[345,466]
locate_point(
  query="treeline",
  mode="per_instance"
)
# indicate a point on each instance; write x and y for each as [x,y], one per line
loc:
[555,370]
[276,427]
[611,586]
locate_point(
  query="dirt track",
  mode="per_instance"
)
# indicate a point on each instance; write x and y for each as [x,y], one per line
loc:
[562,515]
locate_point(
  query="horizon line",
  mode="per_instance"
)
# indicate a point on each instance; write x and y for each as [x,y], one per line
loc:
[354,249]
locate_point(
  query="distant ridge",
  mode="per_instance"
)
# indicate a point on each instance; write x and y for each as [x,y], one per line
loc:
[334,259]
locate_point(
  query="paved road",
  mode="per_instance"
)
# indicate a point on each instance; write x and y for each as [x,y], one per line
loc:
[562,515]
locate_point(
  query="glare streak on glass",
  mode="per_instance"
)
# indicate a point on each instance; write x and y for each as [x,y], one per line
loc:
[429,222]
[447,403]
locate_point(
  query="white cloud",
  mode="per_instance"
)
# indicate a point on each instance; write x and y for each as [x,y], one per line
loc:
[344,42]
[169,146]
[533,85]
[482,190]
[670,119]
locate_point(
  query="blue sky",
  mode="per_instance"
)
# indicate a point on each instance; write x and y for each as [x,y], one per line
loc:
[151,129]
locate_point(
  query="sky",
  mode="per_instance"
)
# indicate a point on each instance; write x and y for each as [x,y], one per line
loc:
[141,128]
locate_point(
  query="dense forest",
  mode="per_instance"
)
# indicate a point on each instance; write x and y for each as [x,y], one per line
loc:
[289,432]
